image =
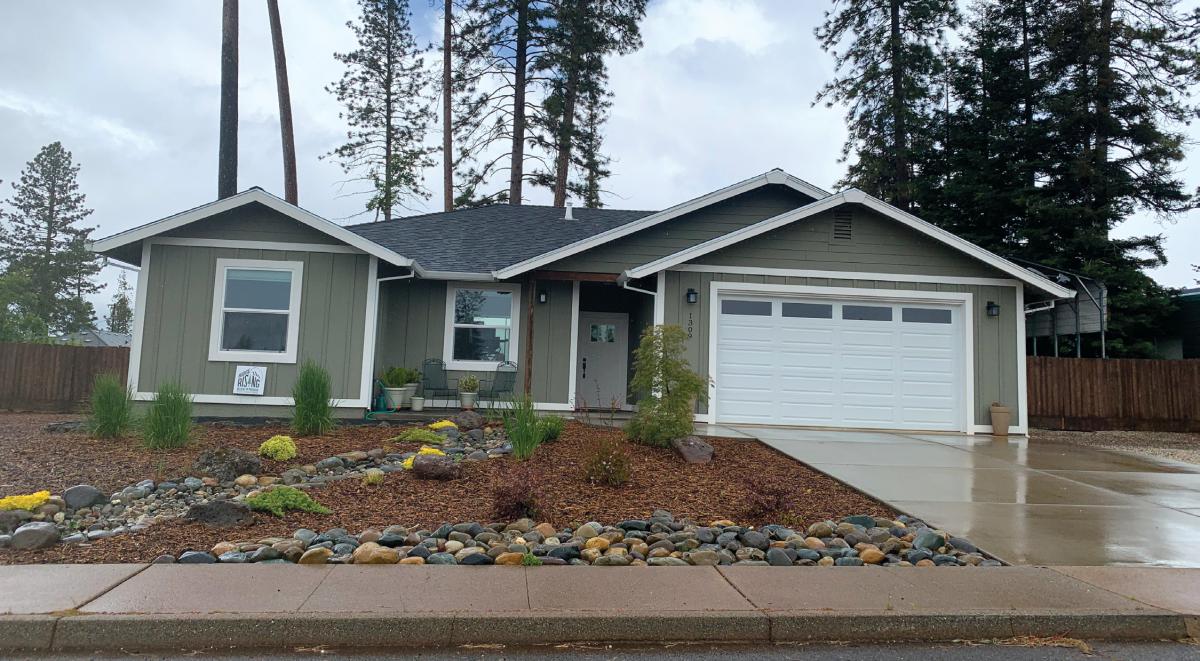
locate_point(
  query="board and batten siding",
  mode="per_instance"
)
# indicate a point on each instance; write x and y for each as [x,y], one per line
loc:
[412,328]
[685,231]
[253,222]
[178,316]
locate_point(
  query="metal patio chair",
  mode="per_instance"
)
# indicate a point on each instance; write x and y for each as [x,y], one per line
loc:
[434,382]
[500,386]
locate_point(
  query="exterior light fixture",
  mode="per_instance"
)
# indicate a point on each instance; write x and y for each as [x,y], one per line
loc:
[693,296]
[993,309]
[543,297]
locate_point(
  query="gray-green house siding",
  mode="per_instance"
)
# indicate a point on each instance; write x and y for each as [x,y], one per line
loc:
[178,315]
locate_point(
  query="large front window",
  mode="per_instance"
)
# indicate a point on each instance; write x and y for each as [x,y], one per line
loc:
[481,329]
[256,310]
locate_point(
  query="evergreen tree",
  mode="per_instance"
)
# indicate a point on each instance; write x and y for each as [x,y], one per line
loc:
[384,93]
[888,54]
[120,311]
[18,322]
[47,244]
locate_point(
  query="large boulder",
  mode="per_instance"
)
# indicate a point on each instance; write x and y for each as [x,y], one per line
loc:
[83,495]
[226,464]
[435,467]
[10,520]
[693,450]
[220,514]
[468,420]
[35,535]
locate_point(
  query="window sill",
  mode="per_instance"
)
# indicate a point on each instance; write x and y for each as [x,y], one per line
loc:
[472,365]
[226,356]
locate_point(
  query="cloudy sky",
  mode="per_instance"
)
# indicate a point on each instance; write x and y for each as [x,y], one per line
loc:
[721,91]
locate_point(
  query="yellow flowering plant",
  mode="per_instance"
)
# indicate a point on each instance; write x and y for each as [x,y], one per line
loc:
[443,424]
[279,448]
[24,502]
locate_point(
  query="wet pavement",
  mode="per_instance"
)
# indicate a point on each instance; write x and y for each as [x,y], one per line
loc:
[1027,503]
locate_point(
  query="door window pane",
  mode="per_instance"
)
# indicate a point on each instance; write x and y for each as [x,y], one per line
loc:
[480,343]
[254,331]
[603,333]
[925,315]
[254,289]
[753,308]
[808,310]
[866,313]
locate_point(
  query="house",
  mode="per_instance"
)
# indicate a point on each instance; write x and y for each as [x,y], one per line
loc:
[1181,338]
[92,337]
[804,307]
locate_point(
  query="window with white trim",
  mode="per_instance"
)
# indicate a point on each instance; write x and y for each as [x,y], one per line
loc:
[256,310]
[481,325]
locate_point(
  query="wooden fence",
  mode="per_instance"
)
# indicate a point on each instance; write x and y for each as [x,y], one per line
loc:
[1091,394]
[54,377]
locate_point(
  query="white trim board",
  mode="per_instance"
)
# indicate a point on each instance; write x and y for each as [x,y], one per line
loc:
[775,176]
[965,300]
[370,330]
[265,400]
[851,196]
[846,275]
[139,320]
[241,199]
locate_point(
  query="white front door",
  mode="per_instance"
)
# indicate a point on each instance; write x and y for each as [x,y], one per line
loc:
[831,362]
[603,360]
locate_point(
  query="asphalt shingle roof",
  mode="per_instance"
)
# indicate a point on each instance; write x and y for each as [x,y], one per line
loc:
[483,239]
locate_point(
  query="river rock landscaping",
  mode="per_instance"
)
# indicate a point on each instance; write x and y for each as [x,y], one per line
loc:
[430,496]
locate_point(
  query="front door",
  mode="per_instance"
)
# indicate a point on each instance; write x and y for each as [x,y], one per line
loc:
[603,367]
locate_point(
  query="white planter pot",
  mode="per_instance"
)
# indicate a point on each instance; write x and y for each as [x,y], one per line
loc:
[395,397]
[410,390]
[418,403]
[467,399]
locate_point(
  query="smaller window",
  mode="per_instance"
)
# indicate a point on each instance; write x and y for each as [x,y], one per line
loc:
[925,316]
[866,313]
[750,308]
[603,333]
[256,311]
[808,310]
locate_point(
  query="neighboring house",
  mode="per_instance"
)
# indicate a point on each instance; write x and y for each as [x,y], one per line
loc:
[96,338]
[1182,339]
[805,308]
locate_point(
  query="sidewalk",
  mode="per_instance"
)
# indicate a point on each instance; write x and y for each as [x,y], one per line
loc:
[141,607]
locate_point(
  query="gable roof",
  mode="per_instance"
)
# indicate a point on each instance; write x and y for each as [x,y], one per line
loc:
[250,196]
[852,196]
[775,176]
[480,240]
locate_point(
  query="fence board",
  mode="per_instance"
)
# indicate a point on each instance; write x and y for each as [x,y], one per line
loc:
[1092,394]
[54,377]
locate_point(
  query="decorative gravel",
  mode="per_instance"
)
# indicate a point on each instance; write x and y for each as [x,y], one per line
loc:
[1158,445]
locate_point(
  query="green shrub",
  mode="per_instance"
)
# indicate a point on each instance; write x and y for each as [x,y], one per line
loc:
[667,387]
[313,396]
[279,448]
[111,407]
[608,464]
[521,425]
[373,477]
[168,423]
[419,435]
[530,560]
[551,427]
[398,377]
[280,500]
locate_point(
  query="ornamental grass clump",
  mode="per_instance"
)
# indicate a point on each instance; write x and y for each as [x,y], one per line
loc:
[667,386]
[418,435]
[551,427]
[27,502]
[313,400]
[521,426]
[111,406]
[281,500]
[373,477]
[279,448]
[168,423]
[608,464]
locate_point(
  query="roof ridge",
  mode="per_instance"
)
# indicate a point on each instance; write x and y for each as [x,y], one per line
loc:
[378,223]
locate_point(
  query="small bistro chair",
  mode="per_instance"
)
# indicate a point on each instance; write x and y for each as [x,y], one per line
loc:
[501,385]
[434,383]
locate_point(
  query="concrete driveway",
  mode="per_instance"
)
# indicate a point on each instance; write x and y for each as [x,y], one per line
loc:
[1027,503]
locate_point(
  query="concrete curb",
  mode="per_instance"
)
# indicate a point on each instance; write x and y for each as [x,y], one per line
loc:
[399,630]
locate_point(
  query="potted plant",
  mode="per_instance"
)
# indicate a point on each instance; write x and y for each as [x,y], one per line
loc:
[398,386]
[418,403]
[412,381]
[468,390]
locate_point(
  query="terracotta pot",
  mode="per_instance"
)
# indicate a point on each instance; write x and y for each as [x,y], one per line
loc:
[1001,418]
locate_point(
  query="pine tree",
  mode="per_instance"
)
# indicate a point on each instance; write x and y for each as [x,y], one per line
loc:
[48,244]
[889,56]
[283,92]
[120,311]
[18,323]
[384,93]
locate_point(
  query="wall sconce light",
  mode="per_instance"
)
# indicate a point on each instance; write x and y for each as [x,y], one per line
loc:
[993,309]
[692,296]
[543,297]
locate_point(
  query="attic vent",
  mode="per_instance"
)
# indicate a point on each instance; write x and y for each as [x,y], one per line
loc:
[842,225]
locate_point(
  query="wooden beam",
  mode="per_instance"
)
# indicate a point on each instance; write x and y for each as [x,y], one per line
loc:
[576,275]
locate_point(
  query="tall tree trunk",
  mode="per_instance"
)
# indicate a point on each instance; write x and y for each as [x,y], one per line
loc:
[521,59]
[227,150]
[566,135]
[899,131]
[1104,95]
[447,132]
[388,132]
[286,133]
[1027,94]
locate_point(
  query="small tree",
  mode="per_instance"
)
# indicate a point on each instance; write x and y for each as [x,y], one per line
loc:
[667,387]
[120,311]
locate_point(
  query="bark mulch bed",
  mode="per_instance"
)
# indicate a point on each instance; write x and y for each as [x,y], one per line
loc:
[722,489]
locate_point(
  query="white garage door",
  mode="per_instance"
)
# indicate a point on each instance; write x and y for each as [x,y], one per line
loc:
[839,363]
